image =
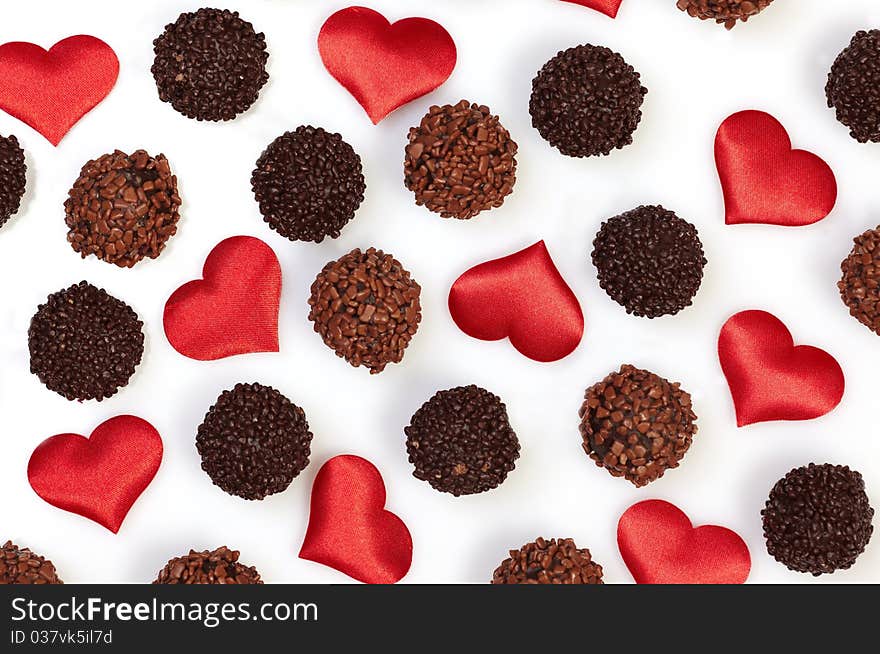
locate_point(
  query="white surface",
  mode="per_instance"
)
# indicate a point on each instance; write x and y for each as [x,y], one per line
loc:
[697,74]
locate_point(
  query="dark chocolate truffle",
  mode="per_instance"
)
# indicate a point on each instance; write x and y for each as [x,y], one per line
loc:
[650,261]
[860,285]
[13,177]
[84,343]
[123,208]
[586,101]
[818,519]
[460,441]
[253,441]
[637,424]
[853,88]
[724,12]
[366,308]
[18,565]
[549,562]
[218,567]
[308,183]
[210,64]
[460,161]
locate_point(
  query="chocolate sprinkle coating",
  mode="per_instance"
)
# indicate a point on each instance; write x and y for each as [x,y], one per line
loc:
[13,177]
[460,161]
[853,88]
[366,308]
[549,562]
[210,64]
[860,285]
[308,183]
[637,424]
[460,441]
[18,565]
[123,208]
[723,12]
[218,567]
[84,343]
[586,101]
[818,519]
[650,261]
[254,441]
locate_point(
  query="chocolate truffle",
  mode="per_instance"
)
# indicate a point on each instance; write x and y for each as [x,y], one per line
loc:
[650,261]
[549,562]
[18,565]
[586,101]
[253,441]
[84,343]
[308,184]
[218,567]
[818,519]
[13,177]
[460,441]
[853,83]
[460,161]
[366,308]
[860,285]
[210,64]
[724,12]
[123,208]
[636,424]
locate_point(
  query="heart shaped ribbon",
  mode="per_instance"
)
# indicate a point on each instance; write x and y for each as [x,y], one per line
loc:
[764,180]
[772,379]
[99,477]
[607,7]
[51,91]
[349,528]
[659,545]
[233,309]
[521,297]
[384,66]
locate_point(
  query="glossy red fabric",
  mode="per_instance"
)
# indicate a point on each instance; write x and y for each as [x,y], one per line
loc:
[51,91]
[384,66]
[607,7]
[764,180]
[659,545]
[772,379]
[521,297]
[99,477]
[233,309]
[349,528]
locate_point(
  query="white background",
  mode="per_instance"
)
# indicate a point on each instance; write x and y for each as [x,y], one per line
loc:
[697,74]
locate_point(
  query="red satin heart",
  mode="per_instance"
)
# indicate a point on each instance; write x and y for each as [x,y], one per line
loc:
[764,180]
[349,528]
[51,91]
[521,297]
[659,545]
[384,66]
[99,477]
[607,7]
[770,378]
[233,309]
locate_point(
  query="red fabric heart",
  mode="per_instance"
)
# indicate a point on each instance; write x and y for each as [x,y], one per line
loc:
[51,91]
[349,528]
[99,477]
[764,180]
[659,545]
[607,7]
[384,66]
[233,309]
[770,378]
[521,297]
